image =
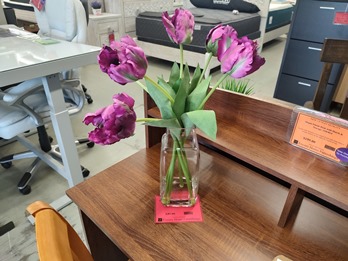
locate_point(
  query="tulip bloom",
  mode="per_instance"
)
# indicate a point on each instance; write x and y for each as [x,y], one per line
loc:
[123,61]
[216,34]
[238,57]
[114,122]
[179,26]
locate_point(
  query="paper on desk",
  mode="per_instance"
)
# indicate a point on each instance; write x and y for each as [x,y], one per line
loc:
[165,214]
[46,41]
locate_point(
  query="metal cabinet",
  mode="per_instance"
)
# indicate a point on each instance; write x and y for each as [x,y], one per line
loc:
[300,70]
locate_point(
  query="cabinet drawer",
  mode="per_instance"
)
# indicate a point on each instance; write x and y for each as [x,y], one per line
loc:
[313,21]
[298,90]
[303,59]
[104,26]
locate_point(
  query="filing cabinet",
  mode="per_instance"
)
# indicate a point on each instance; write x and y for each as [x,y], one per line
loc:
[99,27]
[313,21]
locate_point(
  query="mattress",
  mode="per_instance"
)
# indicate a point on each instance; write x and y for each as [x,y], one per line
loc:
[279,14]
[149,27]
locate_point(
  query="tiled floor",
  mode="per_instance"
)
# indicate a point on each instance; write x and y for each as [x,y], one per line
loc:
[19,243]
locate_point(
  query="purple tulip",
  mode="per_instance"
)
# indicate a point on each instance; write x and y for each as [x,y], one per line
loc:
[114,122]
[238,56]
[179,26]
[123,61]
[216,34]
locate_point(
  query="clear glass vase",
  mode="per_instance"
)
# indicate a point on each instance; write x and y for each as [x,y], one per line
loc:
[179,167]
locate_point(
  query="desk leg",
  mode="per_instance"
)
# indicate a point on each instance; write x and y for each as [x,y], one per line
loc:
[292,204]
[63,129]
[101,247]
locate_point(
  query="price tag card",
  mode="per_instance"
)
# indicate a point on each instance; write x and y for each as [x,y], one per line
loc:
[341,18]
[322,136]
[165,214]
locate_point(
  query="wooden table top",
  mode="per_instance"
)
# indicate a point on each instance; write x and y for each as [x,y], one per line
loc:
[240,211]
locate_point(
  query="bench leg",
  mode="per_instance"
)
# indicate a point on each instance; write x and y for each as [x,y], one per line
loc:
[292,204]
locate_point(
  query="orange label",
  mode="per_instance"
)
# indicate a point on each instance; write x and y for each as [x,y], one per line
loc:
[319,136]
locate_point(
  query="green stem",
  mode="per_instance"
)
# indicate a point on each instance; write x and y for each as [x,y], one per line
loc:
[205,67]
[212,90]
[142,85]
[184,166]
[169,177]
[181,60]
[147,119]
[179,148]
[160,88]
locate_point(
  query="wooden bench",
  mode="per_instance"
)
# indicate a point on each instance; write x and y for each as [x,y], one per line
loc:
[255,132]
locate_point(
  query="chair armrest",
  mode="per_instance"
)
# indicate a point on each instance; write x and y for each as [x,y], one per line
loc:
[18,93]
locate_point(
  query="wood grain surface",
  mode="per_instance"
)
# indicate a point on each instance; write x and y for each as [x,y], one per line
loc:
[240,210]
[256,132]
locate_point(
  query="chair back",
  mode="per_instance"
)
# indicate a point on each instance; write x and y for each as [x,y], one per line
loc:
[55,238]
[63,19]
[25,106]
[333,51]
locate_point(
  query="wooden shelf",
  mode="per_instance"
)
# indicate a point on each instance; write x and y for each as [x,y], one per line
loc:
[255,131]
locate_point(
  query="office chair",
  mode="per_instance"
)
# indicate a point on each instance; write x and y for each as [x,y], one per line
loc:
[333,51]
[25,107]
[56,239]
[65,20]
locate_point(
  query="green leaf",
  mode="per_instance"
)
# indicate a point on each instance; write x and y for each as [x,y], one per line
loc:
[195,78]
[174,74]
[180,99]
[166,86]
[205,120]
[161,101]
[164,123]
[240,86]
[186,78]
[197,96]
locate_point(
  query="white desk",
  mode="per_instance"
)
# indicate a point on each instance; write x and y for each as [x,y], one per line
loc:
[23,59]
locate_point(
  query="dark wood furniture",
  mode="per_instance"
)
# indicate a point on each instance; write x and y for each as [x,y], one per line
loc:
[334,51]
[241,201]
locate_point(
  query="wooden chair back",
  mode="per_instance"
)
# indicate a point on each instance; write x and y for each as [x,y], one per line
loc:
[333,51]
[55,238]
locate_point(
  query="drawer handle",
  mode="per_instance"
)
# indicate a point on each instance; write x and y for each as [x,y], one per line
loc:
[305,84]
[314,48]
[327,7]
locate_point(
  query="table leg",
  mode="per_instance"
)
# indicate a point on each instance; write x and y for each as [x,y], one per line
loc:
[64,134]
[63,129]
[292,204]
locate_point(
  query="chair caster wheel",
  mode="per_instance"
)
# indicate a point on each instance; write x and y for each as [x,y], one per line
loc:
[85,173]
[90,144]
[6,165]
[26,190]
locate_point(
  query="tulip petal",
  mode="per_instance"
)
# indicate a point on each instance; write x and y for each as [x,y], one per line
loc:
[179,26]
